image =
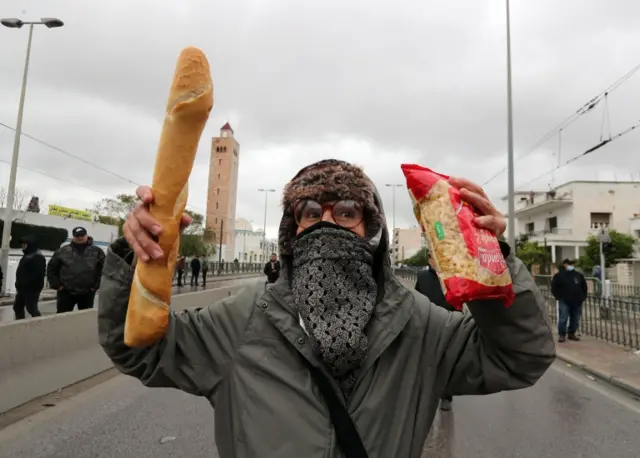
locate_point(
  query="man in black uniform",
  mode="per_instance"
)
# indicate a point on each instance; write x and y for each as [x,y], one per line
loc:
[428,284]
[29,279]
[75,271]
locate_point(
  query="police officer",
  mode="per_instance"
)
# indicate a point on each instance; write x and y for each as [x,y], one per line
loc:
[75,271]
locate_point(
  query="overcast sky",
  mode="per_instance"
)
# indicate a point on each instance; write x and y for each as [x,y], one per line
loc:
[377,83]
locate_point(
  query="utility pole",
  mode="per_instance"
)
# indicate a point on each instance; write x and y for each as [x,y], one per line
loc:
[511,225]
[264,234]
[220,243]
[14,23]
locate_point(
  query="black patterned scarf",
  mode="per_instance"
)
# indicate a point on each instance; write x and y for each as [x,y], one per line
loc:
[335,293]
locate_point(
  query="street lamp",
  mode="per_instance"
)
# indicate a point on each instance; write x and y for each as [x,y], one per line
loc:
[264,234]
[511,224]
[14,23]
[393,187]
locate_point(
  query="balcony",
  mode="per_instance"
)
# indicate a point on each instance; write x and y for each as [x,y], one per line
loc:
[546,202]
[551,235]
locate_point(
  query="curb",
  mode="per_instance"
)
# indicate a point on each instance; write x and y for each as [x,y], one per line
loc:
[215,278]
[611,379]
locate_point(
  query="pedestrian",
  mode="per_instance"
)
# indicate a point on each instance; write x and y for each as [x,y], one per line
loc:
[180,269]
[75,271]
[29,279]
[569,287]
[272,269]
[195,270]
[428,284]
[205,269]
[371,357]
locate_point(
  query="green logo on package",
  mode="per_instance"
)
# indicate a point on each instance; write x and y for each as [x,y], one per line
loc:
[439,230]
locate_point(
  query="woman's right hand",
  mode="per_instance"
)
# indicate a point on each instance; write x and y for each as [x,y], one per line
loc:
[140,227]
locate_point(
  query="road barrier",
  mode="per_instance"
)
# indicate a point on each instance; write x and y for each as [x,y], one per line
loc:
[42,355]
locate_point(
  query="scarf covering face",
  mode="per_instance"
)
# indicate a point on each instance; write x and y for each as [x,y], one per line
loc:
[335,293]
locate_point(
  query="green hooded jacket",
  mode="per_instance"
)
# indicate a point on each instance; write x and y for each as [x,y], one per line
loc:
[246,354]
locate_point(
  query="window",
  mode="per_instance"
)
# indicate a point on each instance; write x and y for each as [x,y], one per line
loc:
[218,176]
[529,228]
[600,220]
[218,191]
[219,161]
[216,220]
[552,224]
[216,205]
[217,149]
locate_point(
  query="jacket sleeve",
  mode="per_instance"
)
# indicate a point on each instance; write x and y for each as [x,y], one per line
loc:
[494,348]
[266,269]
[195,353]
[99,268]
[53,271]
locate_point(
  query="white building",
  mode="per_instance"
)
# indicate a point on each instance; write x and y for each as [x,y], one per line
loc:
[565,217]
[249,243]
[406,243]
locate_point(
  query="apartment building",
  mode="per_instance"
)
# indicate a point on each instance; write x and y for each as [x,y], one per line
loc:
[564,217]
[406,243]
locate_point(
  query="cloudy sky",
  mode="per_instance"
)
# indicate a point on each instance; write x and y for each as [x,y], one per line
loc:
[378,83]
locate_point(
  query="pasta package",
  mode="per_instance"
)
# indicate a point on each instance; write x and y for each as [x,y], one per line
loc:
[468,259]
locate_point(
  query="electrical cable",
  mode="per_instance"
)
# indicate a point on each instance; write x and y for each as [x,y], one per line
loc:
[575,158]
[60,150]
[584,109]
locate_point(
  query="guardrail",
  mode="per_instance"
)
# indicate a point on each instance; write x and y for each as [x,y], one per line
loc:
[42,355]
[594,286]
[613,319]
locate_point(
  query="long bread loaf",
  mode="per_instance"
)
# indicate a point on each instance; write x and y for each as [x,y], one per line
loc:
[190,102]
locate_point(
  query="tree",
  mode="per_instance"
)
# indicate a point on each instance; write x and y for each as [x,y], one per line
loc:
[621,247]
[531,253]
[21,198]
[417,260]
[114,211]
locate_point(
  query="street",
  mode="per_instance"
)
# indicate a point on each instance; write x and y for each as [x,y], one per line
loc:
[565,415]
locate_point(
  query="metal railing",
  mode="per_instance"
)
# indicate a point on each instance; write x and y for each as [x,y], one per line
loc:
[613,319]
[225,268]
[594,286]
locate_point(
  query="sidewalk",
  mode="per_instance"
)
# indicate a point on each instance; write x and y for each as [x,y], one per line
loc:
[611,363]
[50,294]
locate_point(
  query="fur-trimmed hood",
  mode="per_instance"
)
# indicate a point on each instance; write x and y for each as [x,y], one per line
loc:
[332,179]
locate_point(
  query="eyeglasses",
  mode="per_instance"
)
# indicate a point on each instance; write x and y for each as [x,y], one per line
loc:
[345,213]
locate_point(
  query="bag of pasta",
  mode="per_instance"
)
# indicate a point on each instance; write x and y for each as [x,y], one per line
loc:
[467,258]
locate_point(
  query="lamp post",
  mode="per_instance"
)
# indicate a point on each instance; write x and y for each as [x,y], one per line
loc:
[264,234]
[14,23]
[244,241]
[511,224]
[393,187]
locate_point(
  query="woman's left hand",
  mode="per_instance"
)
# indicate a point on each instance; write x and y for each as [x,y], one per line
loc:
[491,219]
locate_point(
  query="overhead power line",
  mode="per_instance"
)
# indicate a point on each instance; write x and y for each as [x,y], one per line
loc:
[584,109]
[580,156]
[92,164]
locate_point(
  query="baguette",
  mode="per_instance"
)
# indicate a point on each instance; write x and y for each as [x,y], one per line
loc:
[190,102]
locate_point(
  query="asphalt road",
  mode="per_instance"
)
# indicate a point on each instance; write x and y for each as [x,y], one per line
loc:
[565,415]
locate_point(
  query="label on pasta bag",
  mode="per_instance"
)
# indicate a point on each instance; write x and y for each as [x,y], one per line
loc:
[489,253]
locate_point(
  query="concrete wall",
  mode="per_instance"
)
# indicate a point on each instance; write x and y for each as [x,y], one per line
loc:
[42,355]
